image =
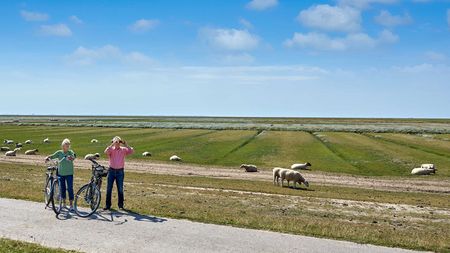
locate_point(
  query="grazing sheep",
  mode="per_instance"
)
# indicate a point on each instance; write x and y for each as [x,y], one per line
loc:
[294,176]
[31,152]
[92,156]
[146,153]
[429,166]
[19,145]
[46,140]
[8,142]
[12,153]
[3,149]
[422,171]
[94,141]
[301,166]
[249,167]
[175,158]
[276,175]
[28,142]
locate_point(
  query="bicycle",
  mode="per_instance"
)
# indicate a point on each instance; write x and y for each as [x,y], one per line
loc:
[51,187]
[88,197]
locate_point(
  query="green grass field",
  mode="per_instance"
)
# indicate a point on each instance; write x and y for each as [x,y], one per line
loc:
[370,154]
[12,246]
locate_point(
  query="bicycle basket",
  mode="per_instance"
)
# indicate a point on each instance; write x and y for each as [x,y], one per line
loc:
[100,171]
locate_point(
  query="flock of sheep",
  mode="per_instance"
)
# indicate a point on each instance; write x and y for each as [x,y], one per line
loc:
[18,147]
[290,175]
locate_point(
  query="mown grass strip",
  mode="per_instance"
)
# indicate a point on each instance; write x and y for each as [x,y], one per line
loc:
[14,246]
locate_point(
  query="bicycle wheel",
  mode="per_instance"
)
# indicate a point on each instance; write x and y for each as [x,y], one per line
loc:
[47,190]
[55,198]
[87,200]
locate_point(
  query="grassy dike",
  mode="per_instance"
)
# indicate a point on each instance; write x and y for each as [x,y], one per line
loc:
[397,219]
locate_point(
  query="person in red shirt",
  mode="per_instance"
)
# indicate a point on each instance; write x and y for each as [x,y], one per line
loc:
[116,152]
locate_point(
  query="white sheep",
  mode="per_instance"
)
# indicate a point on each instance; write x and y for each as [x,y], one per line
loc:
[3,149]
[19,145]
[146,153]
[301,166]
[46,140]
[175,158]
[8,142]
[276,175]
[294,176]
[249,167]
[28,142]
[422,171]
[94,141]
[92,156]
[12,153]
[31,152]
[429,166]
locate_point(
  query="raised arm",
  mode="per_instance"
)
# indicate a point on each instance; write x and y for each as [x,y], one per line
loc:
[129,150]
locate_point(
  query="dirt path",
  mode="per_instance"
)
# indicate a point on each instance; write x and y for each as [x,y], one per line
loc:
[132,232]
[417,184]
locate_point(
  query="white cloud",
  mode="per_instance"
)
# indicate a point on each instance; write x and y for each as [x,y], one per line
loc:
[435,56]
[385,18]
[362,4]
[331,18]
[75,20]
[238,59]
[107,53]
[321,41]
[422,68]
[247,24]
[34,16]
[260,5]
[61,30]
[143,25]
[230,39]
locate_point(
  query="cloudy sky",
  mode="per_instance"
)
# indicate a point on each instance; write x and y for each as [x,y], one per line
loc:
[340,58]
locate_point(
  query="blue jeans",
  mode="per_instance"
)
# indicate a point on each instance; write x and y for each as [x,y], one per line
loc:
[63,180]
[117,175]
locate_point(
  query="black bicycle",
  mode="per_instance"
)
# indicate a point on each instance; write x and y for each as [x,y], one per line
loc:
[52,191]
[88,197]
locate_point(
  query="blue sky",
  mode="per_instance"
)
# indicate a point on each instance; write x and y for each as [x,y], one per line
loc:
[342,58]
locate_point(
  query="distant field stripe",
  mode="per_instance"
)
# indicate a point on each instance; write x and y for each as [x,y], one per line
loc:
[243,144]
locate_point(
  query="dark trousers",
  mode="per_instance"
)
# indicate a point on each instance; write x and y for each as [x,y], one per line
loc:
[117,175]
[63,180]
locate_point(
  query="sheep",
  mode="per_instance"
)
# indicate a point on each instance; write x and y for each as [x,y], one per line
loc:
[94,141]
[12,153]
[292,175]
[175,158]
[422,171]
[92,156]
[28,142]
[146,153]
[429,166]
[19,145]
[276,175]
[31,152]
[46,140]
[249,167]
[8,142]
[301,166]
[3,149]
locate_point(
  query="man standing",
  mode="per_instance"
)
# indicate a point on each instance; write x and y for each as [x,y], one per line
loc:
[116,154]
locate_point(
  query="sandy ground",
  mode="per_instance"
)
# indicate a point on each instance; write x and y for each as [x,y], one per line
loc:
[413,184]
[131,232]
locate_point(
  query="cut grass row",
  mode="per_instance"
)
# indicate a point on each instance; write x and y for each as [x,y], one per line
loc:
[351,153]
[411,220]
[13,246]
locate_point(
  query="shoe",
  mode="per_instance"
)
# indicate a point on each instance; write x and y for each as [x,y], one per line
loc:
[106,208]
[121,208]
[71,209]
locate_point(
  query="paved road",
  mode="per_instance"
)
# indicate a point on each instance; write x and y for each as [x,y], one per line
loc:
[129,232]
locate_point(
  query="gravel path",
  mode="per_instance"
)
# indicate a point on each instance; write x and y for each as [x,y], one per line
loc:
[130,232]
[412,184]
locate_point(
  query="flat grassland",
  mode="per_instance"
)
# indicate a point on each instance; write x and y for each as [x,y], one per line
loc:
[372,149]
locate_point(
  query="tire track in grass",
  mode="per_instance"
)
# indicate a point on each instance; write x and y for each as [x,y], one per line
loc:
[335,152]
[406,145]
[243,144]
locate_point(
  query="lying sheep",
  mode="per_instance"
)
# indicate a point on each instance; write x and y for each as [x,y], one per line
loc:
[92,156]
[249,167]
[422,171]
[94,141]
[146,153]
[3,149]
[292,175]
[31,152]
[19,145]
[429,166]
[301,166]
[46,140]
[8,142]
[28,142]
[175,158]
[12,153]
